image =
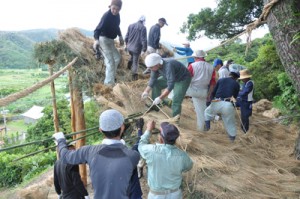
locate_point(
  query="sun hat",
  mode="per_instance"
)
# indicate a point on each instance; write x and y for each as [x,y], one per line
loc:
[153,59]
[116,3]
[186,43]
[169,131]
[244,74]
[110,120]
[199,53]
[217,62]
[163,20]
[235,72]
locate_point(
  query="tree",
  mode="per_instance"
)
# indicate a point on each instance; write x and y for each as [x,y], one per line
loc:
[231,17]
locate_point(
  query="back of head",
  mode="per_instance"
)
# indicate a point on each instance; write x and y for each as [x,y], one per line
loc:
[153,59]
[234,73]
[199,53]
[110,122]
[163,21]
[142,18]
[169,132]
[186,43]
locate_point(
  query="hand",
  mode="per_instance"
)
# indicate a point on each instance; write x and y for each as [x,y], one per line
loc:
[121,40]
[232,99]
[145,95]
[157,101]
[96,45]
[86,197]
[150,125]
[58,135]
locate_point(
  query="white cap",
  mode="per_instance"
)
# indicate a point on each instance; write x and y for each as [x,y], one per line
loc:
[186,43]
[142,18]
[110,120]
[153,59]
[199,53]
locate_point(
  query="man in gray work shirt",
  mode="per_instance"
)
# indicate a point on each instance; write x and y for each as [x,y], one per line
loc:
[168,74]
[111,163]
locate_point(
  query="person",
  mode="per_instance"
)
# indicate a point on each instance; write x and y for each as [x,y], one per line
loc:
[245,99]
[136,42]
[201,85]
[225,89]
[111,163]
[154,38]
[168,74]
[185,51]
[104,34]
[218,63]
[224,70]
[67,181]
[165,162]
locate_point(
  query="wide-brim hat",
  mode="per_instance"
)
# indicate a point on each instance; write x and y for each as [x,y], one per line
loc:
[199,53]
[244,74]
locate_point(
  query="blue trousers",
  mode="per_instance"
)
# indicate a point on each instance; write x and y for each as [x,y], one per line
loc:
[246,112]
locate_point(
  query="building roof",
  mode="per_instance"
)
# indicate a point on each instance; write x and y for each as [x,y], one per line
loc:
[34,112]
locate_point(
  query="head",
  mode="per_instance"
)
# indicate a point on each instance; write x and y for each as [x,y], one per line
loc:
[162,22]
[115,6]
[245,75]
[199,54]
[142,19]
[186,44]
[111,123]
[218,63]
[168,133]
[234,74]
[153,61]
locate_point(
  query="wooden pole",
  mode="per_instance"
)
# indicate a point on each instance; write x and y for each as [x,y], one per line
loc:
[73,119]
[55,115]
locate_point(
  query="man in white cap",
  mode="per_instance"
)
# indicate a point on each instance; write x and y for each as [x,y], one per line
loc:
[201,85]
[136,42]
[185,51]
[111,163]
[168,74]
[165,162]
[225,90]
[104,34]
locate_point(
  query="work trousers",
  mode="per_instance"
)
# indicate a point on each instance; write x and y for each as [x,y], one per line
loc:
[135,62]
[246,112]
[174,195]
[199,96]
[179,91]
[227,112]
[112,59]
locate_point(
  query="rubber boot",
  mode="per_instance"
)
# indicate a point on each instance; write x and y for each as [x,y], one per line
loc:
[134,77]
[207,125]
[129,64]
[231,138]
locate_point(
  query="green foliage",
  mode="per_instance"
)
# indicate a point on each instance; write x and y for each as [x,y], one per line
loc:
[226,21]
[91,114]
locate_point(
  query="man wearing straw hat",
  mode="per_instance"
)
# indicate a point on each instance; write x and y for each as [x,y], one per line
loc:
[165,162]
[168,74]
[111,163]
[245,99]
[201,85]
[225,89]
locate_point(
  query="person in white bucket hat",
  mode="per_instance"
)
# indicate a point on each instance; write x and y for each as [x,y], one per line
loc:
[201,85]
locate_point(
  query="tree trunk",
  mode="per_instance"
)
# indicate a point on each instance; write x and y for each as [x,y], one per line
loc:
[79,125]
[55,115]
[284,24]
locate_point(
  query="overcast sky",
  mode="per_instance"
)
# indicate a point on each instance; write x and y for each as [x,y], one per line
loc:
[61,14]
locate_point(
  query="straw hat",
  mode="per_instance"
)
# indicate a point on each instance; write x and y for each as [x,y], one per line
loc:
[244,74]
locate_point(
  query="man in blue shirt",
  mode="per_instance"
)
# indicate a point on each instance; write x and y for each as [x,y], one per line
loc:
[185,51]
[245,99]
[225,89]
[165,162]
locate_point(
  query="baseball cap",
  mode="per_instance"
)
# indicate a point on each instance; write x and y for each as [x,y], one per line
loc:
[163,20]
[153,59]
[169,131]
[199,53]
[110,120]
[217,61]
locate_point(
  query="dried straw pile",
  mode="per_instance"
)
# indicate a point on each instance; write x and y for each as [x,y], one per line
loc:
[258,165]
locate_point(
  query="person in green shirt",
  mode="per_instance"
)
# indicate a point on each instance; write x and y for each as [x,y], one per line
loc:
[165,161]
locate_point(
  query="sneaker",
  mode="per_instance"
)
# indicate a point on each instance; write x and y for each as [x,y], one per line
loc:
[147,71]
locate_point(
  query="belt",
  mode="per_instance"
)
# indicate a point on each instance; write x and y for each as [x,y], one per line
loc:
[221,99]
[164,192]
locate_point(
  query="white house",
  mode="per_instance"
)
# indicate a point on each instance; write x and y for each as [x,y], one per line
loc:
[33,114]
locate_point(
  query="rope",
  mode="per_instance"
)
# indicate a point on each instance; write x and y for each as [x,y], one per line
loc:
[15,96]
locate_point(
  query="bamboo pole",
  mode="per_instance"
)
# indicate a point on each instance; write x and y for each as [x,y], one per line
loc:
[55,115]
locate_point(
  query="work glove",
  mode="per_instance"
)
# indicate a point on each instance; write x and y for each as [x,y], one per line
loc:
[59,196]
[57,136]
[157,101]
[144,95]
[96,45]
[121,40]
[86,197]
